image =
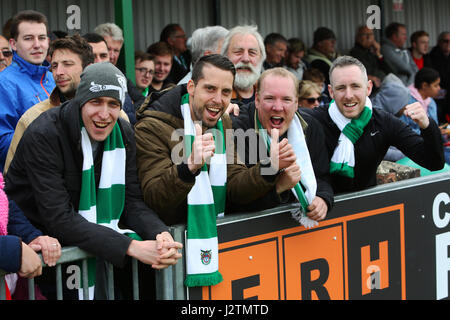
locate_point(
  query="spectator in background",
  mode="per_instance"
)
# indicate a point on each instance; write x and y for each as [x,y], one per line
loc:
[145,69]
[204,41]
[295,52]
[244,46]
[175,37]
[163,65]
[99,47]
[440,60]
[29,68]
[396,56]
[323,52]
[419,49]
[425,88]
[113,36]
[318,78]
[69,56]
[309,95]
[6,53]
[276,47]
[367,50]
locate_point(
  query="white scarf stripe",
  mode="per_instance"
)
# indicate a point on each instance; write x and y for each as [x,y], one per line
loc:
[199,195]
[113,164]
[296,138]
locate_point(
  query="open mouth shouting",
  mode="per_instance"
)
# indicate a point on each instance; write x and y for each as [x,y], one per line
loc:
[213,111]
[276,122]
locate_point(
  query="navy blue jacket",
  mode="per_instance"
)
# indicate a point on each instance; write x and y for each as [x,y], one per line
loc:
[10,253]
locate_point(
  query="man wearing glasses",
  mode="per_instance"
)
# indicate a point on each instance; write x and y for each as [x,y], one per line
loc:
[145,69]
[27,81]
[5,53]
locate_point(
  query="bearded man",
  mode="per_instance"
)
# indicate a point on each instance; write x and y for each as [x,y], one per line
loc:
[244,46]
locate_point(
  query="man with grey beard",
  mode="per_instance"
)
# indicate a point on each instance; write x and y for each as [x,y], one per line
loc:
[244,46]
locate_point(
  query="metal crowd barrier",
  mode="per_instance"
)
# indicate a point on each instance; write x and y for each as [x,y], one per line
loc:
[169,281]
[74,254]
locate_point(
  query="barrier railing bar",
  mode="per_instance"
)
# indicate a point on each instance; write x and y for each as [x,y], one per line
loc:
[85,277]
[2,287]
[134,266]
[110,276]
[59,290]
[31,295]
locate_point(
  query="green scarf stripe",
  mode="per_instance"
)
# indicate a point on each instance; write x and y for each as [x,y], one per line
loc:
[87,195]
[219,198]
[342,169]
[109,200]
[197,280]
[355,128]
[219,139]
[207,229]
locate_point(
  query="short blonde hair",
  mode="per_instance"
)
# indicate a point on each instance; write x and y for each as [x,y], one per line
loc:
[280,72]
[307,87]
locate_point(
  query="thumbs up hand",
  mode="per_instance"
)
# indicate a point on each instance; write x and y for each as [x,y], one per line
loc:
[203,149]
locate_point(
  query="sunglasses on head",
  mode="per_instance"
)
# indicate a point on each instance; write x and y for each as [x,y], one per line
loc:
[313,100]
[7,53]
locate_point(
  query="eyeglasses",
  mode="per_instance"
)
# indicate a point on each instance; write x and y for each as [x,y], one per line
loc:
[313,100]
[145,71]
[7,53]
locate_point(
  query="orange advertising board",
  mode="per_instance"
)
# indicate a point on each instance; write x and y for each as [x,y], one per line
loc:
[341,258]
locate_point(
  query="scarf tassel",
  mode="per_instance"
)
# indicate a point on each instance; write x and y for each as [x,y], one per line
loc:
[203,279]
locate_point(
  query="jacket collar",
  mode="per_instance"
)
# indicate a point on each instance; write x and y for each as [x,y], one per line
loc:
[30,68]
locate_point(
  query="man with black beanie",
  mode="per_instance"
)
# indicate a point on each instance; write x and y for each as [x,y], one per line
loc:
[74,176]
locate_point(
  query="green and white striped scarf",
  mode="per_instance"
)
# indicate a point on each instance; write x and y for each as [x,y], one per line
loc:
[205,202]
[105,205]
[296,138]
[343,159]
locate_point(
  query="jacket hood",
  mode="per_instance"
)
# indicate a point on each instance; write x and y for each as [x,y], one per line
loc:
[392,96]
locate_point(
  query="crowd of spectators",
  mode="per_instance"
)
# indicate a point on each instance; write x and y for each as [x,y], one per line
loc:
[273,83]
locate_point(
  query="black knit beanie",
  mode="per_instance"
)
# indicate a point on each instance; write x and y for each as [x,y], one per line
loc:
[101,79]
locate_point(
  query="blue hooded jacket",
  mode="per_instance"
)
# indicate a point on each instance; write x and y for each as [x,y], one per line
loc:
[22,85]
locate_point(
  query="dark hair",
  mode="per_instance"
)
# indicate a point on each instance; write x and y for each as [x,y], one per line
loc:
[416,35]
[425,75]
[392,29]
[273,38]
[295,45]
[314,75]
[27,15]
[92,37]
[77,45]
[160,49]
[216,60]
[168,31]
[143,56]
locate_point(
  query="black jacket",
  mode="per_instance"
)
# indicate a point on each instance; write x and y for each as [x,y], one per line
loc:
[314,139]
[45,181]
[382,131]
